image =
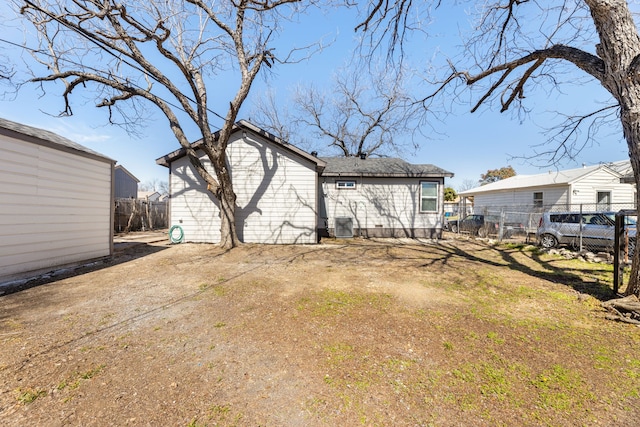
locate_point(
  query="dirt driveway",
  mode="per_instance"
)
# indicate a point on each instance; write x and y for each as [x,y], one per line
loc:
[345,333]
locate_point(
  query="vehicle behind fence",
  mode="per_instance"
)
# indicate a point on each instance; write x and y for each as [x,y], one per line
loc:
[139,215]
[581,227]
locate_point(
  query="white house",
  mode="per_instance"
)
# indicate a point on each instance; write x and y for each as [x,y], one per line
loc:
[151,196]
[275,184]
[382,197]
[285,195]
[593,187]
[56,201]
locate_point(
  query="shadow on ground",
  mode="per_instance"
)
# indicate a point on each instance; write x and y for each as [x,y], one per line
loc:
[125,250]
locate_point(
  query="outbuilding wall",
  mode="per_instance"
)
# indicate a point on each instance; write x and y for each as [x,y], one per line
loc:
[275,189]
[56,206]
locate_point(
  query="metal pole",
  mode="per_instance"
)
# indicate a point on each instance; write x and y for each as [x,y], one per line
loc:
[618,266]
[581,227]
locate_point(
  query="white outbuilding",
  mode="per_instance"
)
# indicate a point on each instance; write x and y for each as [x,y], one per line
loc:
[56,201]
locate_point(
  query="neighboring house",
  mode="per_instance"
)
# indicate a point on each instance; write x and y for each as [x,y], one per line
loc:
[285,195]
[455,207]
[126,184]
[594,187]
[57,201]
[151,196]
[382,197]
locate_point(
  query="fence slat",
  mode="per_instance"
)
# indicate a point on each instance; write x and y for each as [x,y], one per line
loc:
[139,215]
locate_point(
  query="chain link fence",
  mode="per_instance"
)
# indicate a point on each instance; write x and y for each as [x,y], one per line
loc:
[580,227]
[140,215]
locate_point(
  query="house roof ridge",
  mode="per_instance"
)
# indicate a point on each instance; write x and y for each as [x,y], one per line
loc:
[380,167]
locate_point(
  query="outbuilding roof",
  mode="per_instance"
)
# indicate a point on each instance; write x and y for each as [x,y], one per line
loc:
[47,138]
[380,167]
[551,178]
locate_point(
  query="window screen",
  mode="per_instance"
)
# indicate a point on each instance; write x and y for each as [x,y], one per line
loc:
[428,197]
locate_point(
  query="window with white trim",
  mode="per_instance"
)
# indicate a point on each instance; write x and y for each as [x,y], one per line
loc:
[428,196]
[346,185]
[537,199]
[603,200]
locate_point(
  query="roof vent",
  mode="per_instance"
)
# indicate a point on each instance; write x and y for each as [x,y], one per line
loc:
[314,153]
[363,156]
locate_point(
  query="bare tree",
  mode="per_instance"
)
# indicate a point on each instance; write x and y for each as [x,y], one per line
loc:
[155,184]
[6,69]
[467,184]
[357,116]
[519,45]
[163,53]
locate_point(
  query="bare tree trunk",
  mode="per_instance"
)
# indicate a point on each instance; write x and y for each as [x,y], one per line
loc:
[227,197]
[149,213]
[134,212]
[631,126]
[619,49]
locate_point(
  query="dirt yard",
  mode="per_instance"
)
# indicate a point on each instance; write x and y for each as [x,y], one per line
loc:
[346,333]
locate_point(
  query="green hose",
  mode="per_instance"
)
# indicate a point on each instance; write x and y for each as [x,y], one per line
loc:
[173,238]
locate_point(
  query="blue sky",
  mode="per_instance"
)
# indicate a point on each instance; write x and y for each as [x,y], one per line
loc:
[465,144]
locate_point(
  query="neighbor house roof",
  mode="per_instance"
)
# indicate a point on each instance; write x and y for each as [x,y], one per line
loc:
[551,178]
[380,167]
[245,126]
[124,170]
[46,138]
[151,195]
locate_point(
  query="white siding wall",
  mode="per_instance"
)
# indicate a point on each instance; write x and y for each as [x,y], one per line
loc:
[388,203]
[584,191]
[55,207]
[276,195]
[602,180]
[522,197]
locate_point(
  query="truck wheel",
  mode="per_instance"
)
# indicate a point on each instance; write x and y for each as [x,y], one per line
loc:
[482,232]
[454,228]
[548,241]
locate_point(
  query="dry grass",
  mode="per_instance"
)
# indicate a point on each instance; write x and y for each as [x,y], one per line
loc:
[346,333]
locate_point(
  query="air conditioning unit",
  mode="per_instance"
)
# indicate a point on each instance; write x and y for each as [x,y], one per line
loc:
[343,227]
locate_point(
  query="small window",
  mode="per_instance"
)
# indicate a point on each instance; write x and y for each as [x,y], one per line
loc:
[537,200]
[604,200]
[428,197]
[351,185]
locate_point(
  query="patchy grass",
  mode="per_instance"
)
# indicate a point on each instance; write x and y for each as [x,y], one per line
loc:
[29,395]
[370,333]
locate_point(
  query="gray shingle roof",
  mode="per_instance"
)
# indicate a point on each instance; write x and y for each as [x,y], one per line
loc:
[380,167]
[44,137]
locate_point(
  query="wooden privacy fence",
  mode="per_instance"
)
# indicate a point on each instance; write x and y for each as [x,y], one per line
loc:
[139,215]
